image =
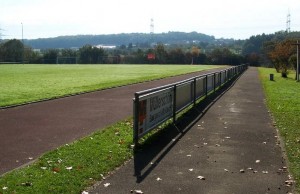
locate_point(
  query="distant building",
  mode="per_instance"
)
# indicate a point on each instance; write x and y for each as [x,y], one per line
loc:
[106,46]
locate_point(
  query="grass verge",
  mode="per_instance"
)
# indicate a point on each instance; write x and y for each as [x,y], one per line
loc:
[73,167]
[283,100]
[25,83]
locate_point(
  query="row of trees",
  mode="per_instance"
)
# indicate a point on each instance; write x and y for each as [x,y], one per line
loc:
[278,52]
[273,50]
[283,56]
[15,51]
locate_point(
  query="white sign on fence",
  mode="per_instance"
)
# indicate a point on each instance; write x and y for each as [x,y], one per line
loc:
[155,109]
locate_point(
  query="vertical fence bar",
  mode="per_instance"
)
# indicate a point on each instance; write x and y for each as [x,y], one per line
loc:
[206,85]
[174,104]
[136,103]
[226,75]
[195,88]
[214,82]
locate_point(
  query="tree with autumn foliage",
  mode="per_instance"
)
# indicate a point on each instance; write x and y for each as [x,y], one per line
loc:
[195,51]
[280,56]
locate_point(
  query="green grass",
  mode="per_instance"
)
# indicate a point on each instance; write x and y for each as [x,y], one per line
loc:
[89,157]
[283,99]
[24,83]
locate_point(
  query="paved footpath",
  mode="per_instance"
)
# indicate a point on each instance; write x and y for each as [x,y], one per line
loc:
[231,148]
[28,131]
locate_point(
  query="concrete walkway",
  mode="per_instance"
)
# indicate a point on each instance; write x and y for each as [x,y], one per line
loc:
[232,147]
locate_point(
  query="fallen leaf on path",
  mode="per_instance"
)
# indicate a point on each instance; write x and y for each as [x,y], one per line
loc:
[84,192]
[265,172]
[30,158]
[106,184]
[226,170]
[189,155]
[257,161]
[201,177]
[139,192]
[242,171]
[158,179]
[69,168]
[289,182]
[191,169]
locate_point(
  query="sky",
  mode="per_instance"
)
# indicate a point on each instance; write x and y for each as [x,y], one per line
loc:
[220,18]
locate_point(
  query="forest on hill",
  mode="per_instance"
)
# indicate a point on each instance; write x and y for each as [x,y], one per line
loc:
[164,48]
[139,39]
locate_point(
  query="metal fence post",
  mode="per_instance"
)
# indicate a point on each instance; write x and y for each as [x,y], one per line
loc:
[174,104]
[136,119]
[214,82]
[226,75]
[195,88]
[206,85]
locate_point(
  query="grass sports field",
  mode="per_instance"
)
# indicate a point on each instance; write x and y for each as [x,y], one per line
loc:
[283,99]
[24,83]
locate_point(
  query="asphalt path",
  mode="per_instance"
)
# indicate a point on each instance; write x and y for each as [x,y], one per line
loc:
[30,130]
[230,146]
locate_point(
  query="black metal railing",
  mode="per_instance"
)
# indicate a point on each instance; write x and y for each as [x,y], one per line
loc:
[154,106]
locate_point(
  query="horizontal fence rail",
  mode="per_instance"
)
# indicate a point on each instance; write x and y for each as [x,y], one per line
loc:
[154,106]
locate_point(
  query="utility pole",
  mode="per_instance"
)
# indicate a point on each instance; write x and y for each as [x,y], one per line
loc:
[298,68]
